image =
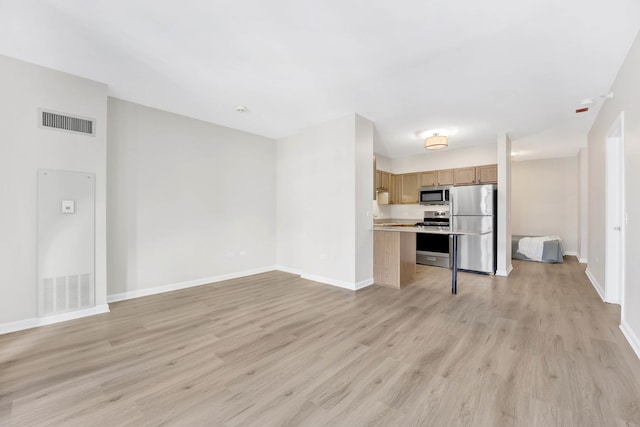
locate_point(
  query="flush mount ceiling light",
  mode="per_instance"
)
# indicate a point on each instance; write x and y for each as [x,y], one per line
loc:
[436,142]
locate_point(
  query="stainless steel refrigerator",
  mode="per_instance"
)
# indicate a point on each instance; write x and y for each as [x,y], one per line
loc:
[474,208]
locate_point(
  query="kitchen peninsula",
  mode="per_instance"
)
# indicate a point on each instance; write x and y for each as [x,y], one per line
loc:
[394,252]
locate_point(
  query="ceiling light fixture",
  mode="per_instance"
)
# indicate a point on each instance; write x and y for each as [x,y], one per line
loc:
[436,142]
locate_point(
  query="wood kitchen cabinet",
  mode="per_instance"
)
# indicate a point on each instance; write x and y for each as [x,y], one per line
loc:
[404,188]
[445,177]
[487,174]
[392,189]
[464,176]
[410,187]
[428,179]
[382,180]
[386,178]
[383,187]
[394,258]
[396,189]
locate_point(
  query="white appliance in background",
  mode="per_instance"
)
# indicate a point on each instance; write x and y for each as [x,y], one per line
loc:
[473,208]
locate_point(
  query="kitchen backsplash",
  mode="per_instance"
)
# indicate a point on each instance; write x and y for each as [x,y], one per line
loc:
[403,211]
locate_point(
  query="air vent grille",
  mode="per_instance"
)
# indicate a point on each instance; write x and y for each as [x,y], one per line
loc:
[68,123]
[65,293]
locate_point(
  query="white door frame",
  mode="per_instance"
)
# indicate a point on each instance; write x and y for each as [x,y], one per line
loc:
[615,214]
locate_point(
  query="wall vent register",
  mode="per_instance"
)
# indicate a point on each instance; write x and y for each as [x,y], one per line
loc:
[66,122]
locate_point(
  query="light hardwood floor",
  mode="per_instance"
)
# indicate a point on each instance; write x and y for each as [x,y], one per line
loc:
[539,348]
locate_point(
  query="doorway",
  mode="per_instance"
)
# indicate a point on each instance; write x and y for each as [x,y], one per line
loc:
[615,214]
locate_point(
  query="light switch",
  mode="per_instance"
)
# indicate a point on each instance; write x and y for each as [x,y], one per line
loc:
[68,206]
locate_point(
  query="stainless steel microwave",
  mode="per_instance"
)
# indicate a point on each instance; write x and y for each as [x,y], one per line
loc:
[434,195]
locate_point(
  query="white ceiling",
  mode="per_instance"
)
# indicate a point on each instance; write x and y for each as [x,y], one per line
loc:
[478,67]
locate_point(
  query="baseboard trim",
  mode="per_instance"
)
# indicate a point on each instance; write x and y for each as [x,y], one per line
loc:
[595,284]
[631,337]
[583,260]
[188,284]
[364,284]
[505,273]
[209,280]
[34,322]
[571,253]
[288,270]
[327,281]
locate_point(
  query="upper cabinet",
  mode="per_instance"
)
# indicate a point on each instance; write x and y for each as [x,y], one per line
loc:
[386,180]
[404,188]
[383,180]
[410,187]
[428,179]
[445,177]
[383,190]
[464,176]
[487,174]
[396,190]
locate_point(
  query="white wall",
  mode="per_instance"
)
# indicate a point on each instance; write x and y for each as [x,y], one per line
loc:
[583,205]
[544,199]
[627,99]
[188,200]
[364,195]
[446,159]
[319,225]
[24,148]
[505,193]
[384,163]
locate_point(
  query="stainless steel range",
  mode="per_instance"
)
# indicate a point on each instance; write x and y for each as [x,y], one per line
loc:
[434,249]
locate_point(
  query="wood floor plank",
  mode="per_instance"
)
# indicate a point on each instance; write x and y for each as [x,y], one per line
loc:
[538,348]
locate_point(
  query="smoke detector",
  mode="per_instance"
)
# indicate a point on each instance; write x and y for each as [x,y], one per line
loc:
[241,109]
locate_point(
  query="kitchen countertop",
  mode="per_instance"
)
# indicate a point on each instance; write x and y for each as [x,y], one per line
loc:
[426,230]
[394,221]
